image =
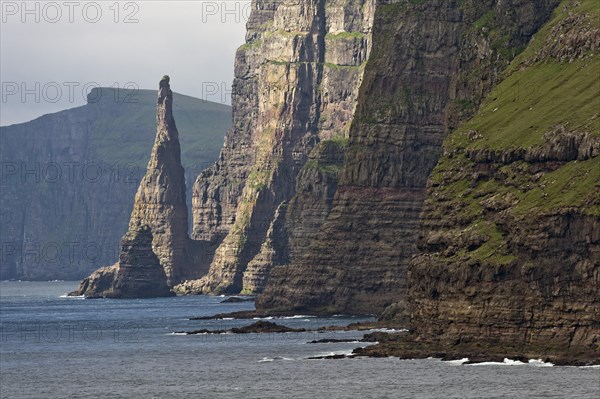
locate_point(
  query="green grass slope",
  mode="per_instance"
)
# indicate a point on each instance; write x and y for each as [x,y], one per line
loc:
[554,82]
[509,251]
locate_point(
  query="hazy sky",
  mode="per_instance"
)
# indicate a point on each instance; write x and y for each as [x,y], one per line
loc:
[71,46]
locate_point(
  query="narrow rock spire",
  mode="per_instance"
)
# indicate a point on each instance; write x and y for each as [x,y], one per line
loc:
[160,200]
[164,112]
[153,254]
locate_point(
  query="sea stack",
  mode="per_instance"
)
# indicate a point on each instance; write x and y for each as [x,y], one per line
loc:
[160,199]
[153,253]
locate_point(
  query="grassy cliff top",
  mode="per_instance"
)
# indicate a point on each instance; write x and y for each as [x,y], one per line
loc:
[553,84]
[554,81]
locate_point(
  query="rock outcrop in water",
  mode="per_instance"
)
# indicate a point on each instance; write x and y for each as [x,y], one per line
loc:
[138,274]
[154,252]
[160,200]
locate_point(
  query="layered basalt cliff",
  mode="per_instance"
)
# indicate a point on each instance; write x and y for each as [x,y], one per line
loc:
[509,245]
[430,63]
[155,250]
[273,251]
[296,84]
[449,181]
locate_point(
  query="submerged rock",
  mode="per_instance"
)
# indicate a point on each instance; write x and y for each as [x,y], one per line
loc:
[98,283]
[265,327]
[331,341]
[237,299]
[258,327]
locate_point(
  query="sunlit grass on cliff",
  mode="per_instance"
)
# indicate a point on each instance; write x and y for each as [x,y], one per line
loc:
[535,95]
[530,102]
[576,184]
[590,9]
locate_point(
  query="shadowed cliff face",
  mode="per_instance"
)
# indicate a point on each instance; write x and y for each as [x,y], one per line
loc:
[422,64]
[138,274]
[355,262]
[154,251]
[509,244]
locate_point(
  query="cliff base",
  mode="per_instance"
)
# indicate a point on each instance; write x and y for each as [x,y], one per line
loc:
[409,346]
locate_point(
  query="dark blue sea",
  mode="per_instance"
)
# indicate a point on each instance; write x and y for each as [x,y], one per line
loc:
[58,347]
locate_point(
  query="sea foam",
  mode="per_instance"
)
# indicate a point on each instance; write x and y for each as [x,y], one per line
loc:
[72,296]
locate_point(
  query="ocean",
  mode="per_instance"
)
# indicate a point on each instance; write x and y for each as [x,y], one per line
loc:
[53,346]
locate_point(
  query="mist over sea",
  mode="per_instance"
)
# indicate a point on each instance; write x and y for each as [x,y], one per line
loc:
[53,346]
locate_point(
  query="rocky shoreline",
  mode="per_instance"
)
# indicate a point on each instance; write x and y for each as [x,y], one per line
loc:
[405,345]
[258,327]
[371,173]
[257,314]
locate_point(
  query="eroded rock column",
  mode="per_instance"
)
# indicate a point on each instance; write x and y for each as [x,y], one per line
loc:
[153,255]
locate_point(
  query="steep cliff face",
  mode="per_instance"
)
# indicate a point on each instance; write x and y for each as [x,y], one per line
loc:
[69,179]
[297,80]
[423,59]
[273,251]
[315,190]
[155,251]
[510,238]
